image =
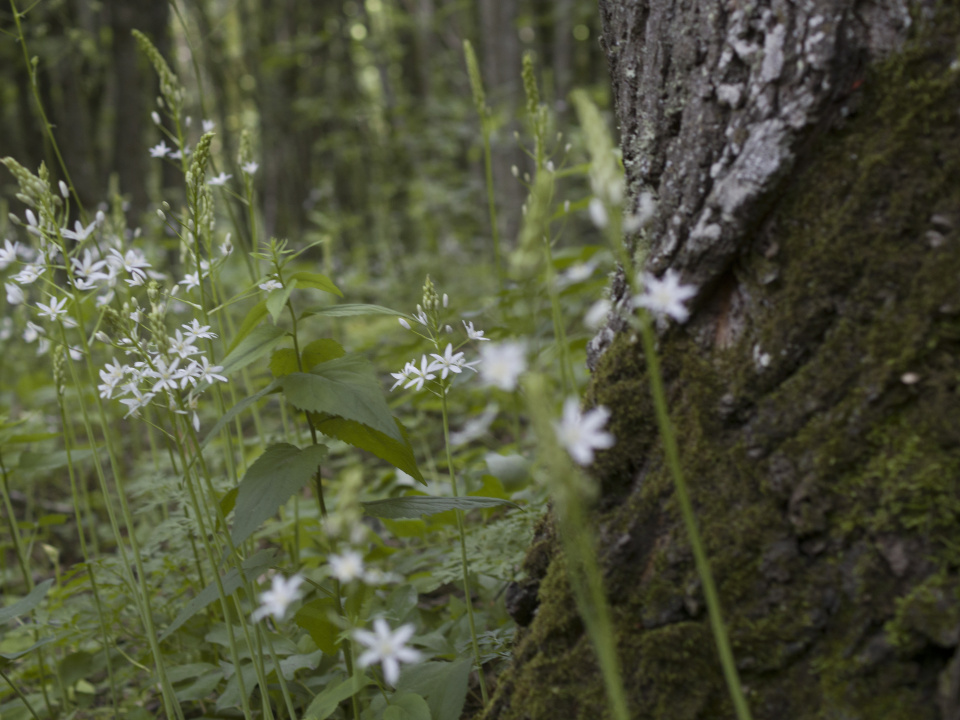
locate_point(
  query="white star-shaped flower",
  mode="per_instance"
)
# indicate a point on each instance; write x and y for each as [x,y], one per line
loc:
[347,567]
[666,297]
[220,179]
[54,309]
[450,362]
[501,365]
[474,334]
[250,168]
[160,150]
[582,433]
[276,600]
[387,648]
[270,285]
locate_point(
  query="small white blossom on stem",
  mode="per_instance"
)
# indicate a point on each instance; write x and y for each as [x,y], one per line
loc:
[387,648]
[419,375]
[191,280]
[666,297]
[89,267]
[166,375]
[14,293]
[501,365]
[250,168]
[219,180]
[160,150]
[195,330]
[8,253]
[54,309]
[111,375]
[138,401]
[347,566]
[29,274]
[474,334]
[270,285]
[79,233]
[450,362]
[277,599]
[208,125]
[404,323]
[402,376]
[205,372]
[182,346]
[582,433]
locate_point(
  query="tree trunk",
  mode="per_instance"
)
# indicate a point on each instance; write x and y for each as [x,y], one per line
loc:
[805,161]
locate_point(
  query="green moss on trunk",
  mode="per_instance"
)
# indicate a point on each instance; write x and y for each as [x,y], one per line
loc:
[827,482]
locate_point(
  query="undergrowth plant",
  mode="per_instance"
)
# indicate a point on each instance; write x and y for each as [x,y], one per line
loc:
[223,509]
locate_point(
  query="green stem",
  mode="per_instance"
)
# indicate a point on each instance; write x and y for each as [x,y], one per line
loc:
[689,519]
[463,551]
[491,199]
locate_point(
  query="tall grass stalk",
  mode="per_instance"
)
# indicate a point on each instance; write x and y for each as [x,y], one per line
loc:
[730,674]
[464,565]
[486,123]
[570,494]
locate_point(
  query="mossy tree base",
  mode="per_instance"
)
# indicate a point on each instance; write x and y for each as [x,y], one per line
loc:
[816,396]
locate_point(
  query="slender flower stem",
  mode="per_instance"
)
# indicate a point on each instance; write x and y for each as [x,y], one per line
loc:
[463,552]
[730,673]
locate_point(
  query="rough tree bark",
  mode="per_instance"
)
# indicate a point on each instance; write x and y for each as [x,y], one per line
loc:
[805,160]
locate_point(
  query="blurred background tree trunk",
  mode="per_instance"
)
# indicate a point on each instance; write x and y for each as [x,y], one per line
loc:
[805,163]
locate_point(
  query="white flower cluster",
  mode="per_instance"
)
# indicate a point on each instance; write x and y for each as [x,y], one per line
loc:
[138,384]
[449,362]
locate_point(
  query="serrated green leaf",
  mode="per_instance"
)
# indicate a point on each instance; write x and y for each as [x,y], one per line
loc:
[347,387]
[25,604]
[252,319]
[257,344]
[414,506]
[277,299]
[315,618]
[283,362]
[397,453]
[239,408]
[354,309]
[324,704]
[252,566]
[269,482]
[443,684]
[320,351]
[407,706]
[316,281]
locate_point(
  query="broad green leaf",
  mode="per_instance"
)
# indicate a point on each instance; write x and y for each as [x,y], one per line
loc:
[253,318]
[314,280]
[290,665]
[253,566]
[269,482]
[324,704]
[231,695]
[319,351]
[314,617]
[443,684]
[76,666]
[413,506]
[277,299]
[283,362]
[407,706]
[21,653]
[347,387]
[190,671]
[45,461]
[354,309]
[237,409]
[397,453]
[200,688]
[25,604]
[257,344]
